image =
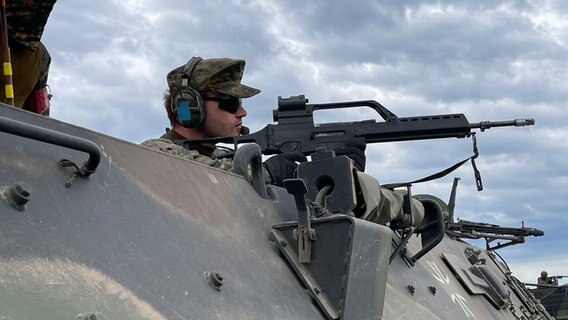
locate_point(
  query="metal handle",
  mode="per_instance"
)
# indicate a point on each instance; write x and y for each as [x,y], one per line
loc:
[250,154]
[57,138]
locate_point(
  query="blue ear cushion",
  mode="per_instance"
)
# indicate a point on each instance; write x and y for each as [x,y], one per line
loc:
[183,113]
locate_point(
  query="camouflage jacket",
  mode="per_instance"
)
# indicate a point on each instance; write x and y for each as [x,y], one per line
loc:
[26,20]
[206,154]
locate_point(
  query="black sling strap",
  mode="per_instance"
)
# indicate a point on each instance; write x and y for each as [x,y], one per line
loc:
[447,171]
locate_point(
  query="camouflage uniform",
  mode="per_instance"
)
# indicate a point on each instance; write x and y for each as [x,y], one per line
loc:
[26,20]
[384,205]
[205,154]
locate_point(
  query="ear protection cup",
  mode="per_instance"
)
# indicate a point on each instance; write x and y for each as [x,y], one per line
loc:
[187,103]
[188,107]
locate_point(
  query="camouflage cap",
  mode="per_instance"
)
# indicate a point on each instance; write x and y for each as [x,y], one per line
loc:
[220,75]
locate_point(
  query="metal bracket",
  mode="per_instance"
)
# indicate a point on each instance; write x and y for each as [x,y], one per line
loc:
[248,163]
[304,233]
[406,234]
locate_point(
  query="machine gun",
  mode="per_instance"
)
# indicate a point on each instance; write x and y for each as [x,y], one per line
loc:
[295,130]
[491,232]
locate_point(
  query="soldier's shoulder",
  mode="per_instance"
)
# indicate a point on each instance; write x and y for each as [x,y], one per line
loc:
[222,153]
[156,141]
[167,146]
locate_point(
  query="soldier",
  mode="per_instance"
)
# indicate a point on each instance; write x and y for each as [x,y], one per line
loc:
[545,279]
[204,99]
[30,59]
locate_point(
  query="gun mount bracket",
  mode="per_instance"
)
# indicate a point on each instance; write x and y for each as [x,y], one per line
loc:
[335,176]
[304,234]
[406,234]
[347,275]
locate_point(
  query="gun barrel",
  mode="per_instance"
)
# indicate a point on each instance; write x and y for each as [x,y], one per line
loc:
[509,123]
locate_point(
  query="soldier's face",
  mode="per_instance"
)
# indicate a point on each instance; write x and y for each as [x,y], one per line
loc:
[221,123]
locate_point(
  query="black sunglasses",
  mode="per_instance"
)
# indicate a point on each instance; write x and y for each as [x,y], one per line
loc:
[230,105]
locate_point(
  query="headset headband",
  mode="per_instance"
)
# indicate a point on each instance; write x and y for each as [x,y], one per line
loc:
[188,69]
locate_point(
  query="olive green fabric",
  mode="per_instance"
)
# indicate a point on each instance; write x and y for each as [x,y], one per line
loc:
[26,20]
[30,70]
[384,205]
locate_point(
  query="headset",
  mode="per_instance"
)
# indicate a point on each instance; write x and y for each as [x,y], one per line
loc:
[187,103]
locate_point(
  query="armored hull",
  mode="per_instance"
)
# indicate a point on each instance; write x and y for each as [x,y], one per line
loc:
[152,236]
[554,299]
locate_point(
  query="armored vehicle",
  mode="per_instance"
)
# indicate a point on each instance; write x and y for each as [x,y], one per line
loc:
[93,227]
[554,298]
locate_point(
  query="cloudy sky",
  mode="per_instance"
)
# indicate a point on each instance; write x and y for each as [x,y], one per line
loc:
[491,60]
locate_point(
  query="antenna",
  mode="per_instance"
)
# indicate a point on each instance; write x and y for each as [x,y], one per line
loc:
[452,201]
